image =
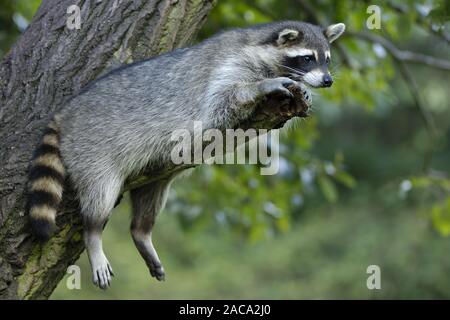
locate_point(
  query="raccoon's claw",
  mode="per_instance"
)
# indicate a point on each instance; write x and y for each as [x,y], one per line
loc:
[277,86]
[102,276]
[157,271]
[306,94]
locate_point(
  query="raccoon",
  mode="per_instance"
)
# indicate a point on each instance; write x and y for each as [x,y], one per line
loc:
[121,123]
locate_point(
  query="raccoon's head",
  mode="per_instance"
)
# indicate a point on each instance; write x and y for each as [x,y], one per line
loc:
[303,52]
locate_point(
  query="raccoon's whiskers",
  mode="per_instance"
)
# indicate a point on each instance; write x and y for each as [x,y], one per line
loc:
[335,66]
[296,71]
[335,74]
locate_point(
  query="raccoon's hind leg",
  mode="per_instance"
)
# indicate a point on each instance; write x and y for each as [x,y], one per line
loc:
[97,201]
[147,202]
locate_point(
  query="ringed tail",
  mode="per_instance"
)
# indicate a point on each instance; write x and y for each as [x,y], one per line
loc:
[45,183]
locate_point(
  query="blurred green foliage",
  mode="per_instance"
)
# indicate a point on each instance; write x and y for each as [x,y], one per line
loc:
[14,17]
[367,78]
[364,180]
[325,256]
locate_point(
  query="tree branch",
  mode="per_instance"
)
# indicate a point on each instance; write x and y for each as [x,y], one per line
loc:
[270,113]
[309,11]
[47,64]
[402,55]
[425,114]
[420,19]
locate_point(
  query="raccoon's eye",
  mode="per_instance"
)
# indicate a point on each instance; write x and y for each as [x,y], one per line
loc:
[327,60]
[308,58]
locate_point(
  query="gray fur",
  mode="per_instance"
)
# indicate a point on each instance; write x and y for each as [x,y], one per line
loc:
[122,123]
[147,202]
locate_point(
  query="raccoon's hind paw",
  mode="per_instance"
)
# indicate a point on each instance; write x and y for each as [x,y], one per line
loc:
[102,275]
[157,271]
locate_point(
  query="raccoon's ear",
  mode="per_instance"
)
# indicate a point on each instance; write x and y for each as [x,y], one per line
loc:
[288,35]
[334,31]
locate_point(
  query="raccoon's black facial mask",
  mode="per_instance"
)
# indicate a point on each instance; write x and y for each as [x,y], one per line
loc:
[309,66]
[302,63]
[306,53]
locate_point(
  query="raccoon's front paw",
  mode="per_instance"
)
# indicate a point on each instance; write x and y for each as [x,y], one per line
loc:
[307,96]
[277,86]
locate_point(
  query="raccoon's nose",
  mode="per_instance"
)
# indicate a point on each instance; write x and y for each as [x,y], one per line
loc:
[327,80]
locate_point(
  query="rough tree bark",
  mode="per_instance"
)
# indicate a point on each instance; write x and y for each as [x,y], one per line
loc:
[48,64]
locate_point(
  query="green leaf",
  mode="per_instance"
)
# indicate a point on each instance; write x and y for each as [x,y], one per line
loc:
[328,188]
[440,217]
[346,179]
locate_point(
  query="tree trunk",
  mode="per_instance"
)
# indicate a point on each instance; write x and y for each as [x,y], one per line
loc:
[50,63]
[47,64]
